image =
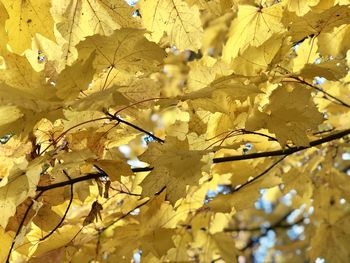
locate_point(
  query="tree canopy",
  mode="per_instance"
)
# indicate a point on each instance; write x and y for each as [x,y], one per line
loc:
[174,131]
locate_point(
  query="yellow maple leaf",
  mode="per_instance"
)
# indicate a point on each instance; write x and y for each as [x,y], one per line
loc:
[181,22]
[252,27]
[290,115]
[306,54]
[114,168]
[3,35]
[175,167]
[68,86]
[27,18]
[336,42]
[78,19]
[127,50]
[255,60]
[314,23]
[331,241]
[15,188]
[152,231]
[6,240]
[9,114]
[300,7]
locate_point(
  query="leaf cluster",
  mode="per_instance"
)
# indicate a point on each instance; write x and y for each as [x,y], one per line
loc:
[174,131]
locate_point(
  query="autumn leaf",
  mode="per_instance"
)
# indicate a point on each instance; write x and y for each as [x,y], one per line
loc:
[15,188]
[252,27]
[152,230]
[290,114]
[165,158]
[126,49]
[78,19]
[27,18]
[176,18]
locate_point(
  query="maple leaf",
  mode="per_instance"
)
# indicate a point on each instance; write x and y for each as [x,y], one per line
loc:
[27,18]
[181,22]
[315,23]
[78,19]
[152,230]
[127,52]
[15,188]
[301,7]
[290,114]
[252,27]
[175,167]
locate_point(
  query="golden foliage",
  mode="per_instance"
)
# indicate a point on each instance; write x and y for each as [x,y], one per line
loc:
[174,131]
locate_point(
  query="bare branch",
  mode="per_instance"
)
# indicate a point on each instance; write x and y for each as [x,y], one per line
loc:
[339,101]
[119,120]
[334,136]
[70,182]
[278,224]
[259,175]
[65,213]
[21,225]
[130,211]
[87,177]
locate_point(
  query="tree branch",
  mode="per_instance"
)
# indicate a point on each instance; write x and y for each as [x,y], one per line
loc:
[65,213]
[321,90]
[21,225]
[288,151]
[259,175]
[85,178]
[118,119]
[277,224]
[70,182]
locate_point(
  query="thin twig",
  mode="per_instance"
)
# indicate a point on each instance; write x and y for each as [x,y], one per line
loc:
[119,120]
[69,182]
[334,136]
[123,216]
[65,213]
[21,225]
[130,211]
[277,224]
[321,90]
[259,175]
[87,177]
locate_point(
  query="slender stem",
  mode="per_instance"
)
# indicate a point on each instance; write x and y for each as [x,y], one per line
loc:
[21,225]
[69,182]
[65,213]
[259,175]
[123,216]
[118,119]
[321,90]
[138,102]
[85,178]
[288,151]
[277,224]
